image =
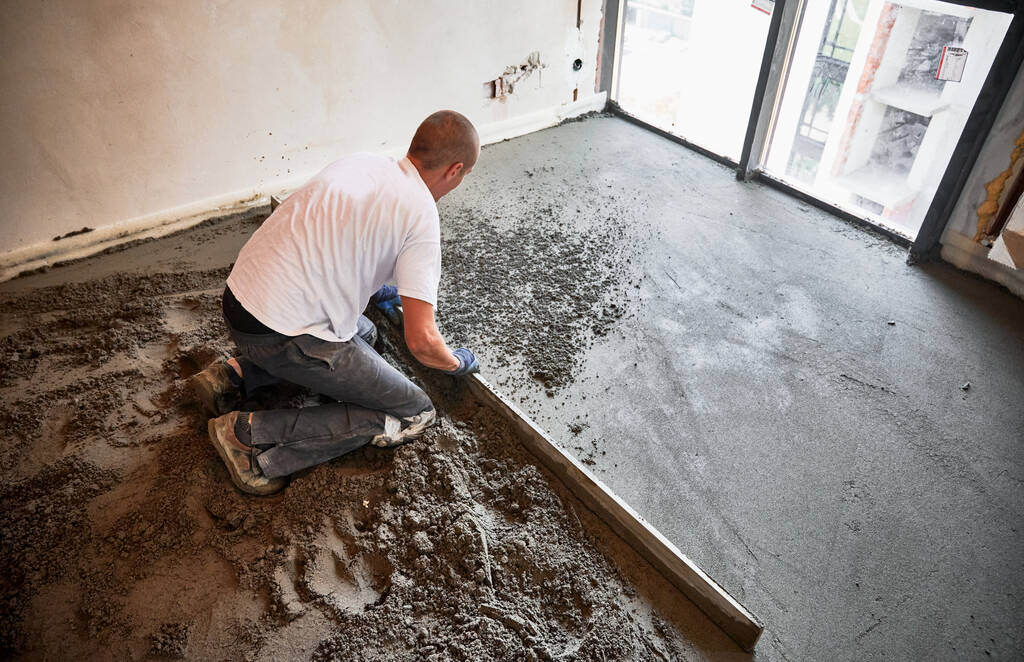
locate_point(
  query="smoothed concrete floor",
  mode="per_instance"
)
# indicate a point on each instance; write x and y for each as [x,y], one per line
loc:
[785,403]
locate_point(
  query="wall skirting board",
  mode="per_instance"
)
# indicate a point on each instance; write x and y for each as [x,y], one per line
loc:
[963,252]
[48,253]
[541,119]
[172,220]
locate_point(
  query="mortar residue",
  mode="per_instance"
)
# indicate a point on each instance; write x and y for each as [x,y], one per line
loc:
[123,537]
[534,280]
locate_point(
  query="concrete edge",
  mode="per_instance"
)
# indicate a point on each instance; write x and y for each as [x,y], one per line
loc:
[157,224]
[964,253]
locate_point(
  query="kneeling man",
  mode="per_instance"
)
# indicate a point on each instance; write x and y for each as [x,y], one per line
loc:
[294,301]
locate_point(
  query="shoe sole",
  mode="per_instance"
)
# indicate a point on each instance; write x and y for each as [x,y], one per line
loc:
[414,431]
[275,484]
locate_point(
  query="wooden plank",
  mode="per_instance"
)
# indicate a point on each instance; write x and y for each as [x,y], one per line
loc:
[683,573]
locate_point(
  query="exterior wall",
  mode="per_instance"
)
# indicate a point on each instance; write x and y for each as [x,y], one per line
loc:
[121,116]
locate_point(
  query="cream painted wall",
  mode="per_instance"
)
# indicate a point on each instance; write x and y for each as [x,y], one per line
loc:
[122,115]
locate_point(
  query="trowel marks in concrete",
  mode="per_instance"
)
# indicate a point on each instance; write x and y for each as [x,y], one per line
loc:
[123,537]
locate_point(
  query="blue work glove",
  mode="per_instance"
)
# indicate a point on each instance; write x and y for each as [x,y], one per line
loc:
[387,301]
[383,294]
[467,362]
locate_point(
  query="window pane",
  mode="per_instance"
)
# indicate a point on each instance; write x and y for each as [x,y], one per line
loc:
[868,121]
[690,67]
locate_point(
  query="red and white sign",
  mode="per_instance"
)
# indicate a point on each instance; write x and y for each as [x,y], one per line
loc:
[951,64]
[763,5]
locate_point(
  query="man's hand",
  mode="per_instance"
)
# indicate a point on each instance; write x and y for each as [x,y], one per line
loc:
[467,362]
[385,293]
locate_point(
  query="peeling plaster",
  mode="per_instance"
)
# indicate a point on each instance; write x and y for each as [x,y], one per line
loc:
[506,83]
[995,190]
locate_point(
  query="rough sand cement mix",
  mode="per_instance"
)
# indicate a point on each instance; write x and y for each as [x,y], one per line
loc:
[542,278]
[123,538]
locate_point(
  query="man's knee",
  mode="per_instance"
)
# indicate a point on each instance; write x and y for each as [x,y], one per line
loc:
[416,401]
[424,401]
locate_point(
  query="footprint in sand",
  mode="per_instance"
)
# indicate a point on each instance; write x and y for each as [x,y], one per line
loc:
[336,575]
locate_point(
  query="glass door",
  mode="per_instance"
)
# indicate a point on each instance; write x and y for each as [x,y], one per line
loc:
[689,67]
[876,96]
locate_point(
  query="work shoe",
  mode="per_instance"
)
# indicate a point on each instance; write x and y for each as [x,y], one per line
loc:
[215,389]
[400,431]
[239,458]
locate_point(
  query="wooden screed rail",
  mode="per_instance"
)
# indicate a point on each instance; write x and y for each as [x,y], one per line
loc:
[679,570]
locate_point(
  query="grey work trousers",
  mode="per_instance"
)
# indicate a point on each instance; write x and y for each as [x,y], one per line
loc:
[364,386]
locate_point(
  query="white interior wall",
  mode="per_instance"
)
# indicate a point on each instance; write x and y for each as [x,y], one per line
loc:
[122,116]
[958,246]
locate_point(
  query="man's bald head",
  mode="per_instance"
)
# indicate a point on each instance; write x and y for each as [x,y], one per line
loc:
[445,138]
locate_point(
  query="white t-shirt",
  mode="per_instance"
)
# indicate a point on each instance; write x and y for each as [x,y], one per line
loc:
[363,221]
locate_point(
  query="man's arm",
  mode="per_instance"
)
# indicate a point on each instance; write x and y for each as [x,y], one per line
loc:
[422,337]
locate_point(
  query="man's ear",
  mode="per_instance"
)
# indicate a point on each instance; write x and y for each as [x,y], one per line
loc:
[453,171]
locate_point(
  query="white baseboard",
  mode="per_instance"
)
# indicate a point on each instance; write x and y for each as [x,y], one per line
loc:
[167,221]
[541,119]
[963,252]
[159,224]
